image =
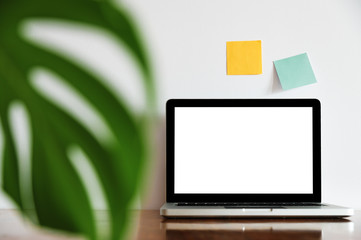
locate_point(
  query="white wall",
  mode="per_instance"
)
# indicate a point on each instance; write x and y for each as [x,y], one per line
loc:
[187,42]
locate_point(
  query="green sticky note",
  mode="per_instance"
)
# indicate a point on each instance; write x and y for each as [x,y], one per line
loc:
[295,71]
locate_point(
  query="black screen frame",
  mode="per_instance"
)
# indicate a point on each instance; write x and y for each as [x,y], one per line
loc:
[215,197]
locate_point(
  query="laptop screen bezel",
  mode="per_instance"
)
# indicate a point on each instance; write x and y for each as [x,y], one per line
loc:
[185,197]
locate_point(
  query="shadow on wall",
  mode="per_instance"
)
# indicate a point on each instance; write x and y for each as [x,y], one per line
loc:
[276,85]
[154,192]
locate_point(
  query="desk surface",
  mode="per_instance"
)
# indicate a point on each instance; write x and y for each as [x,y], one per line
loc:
[151,226]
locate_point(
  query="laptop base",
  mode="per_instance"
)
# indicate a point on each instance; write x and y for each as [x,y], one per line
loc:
[172,210]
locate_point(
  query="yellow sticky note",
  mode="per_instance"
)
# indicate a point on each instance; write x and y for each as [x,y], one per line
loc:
[244,57]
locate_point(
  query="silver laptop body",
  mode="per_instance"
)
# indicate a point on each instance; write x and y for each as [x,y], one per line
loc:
[244,158]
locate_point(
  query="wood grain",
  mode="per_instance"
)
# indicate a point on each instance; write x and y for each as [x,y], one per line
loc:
[149,225]
[152,226]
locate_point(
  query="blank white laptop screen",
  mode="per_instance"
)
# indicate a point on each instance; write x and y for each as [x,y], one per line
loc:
[255,150]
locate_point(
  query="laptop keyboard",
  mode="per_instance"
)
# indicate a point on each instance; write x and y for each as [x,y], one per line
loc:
[253,204]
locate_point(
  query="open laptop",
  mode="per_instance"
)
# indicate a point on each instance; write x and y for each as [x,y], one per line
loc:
[245,158]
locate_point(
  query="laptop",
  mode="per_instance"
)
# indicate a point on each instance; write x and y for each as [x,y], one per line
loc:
[244,158]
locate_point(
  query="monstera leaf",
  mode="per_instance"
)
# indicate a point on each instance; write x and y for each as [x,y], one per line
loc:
[57,193]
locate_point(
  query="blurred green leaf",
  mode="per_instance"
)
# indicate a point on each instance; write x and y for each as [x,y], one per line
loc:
[59,196]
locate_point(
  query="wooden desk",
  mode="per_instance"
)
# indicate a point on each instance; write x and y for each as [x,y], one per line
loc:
[152,226]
